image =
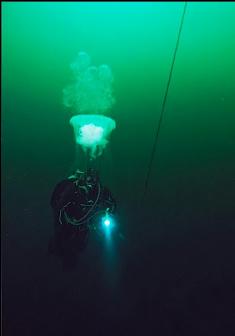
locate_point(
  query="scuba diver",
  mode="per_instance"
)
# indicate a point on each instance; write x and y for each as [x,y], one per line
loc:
[77,203]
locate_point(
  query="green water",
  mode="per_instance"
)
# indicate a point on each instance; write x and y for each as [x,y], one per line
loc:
[191,189]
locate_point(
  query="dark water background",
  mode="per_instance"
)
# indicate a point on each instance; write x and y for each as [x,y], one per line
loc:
[169,268]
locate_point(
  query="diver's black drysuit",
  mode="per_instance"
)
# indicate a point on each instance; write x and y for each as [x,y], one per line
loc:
[75,202]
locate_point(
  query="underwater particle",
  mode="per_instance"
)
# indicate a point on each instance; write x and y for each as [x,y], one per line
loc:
[92,132]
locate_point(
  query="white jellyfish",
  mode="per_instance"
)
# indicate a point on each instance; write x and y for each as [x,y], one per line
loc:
[92,132]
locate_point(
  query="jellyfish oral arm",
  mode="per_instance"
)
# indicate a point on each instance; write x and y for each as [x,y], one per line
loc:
[90,134]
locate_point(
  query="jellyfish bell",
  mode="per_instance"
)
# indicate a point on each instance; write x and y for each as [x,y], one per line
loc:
[92,132]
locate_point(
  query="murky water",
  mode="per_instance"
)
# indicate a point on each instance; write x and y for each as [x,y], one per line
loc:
[169,269]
